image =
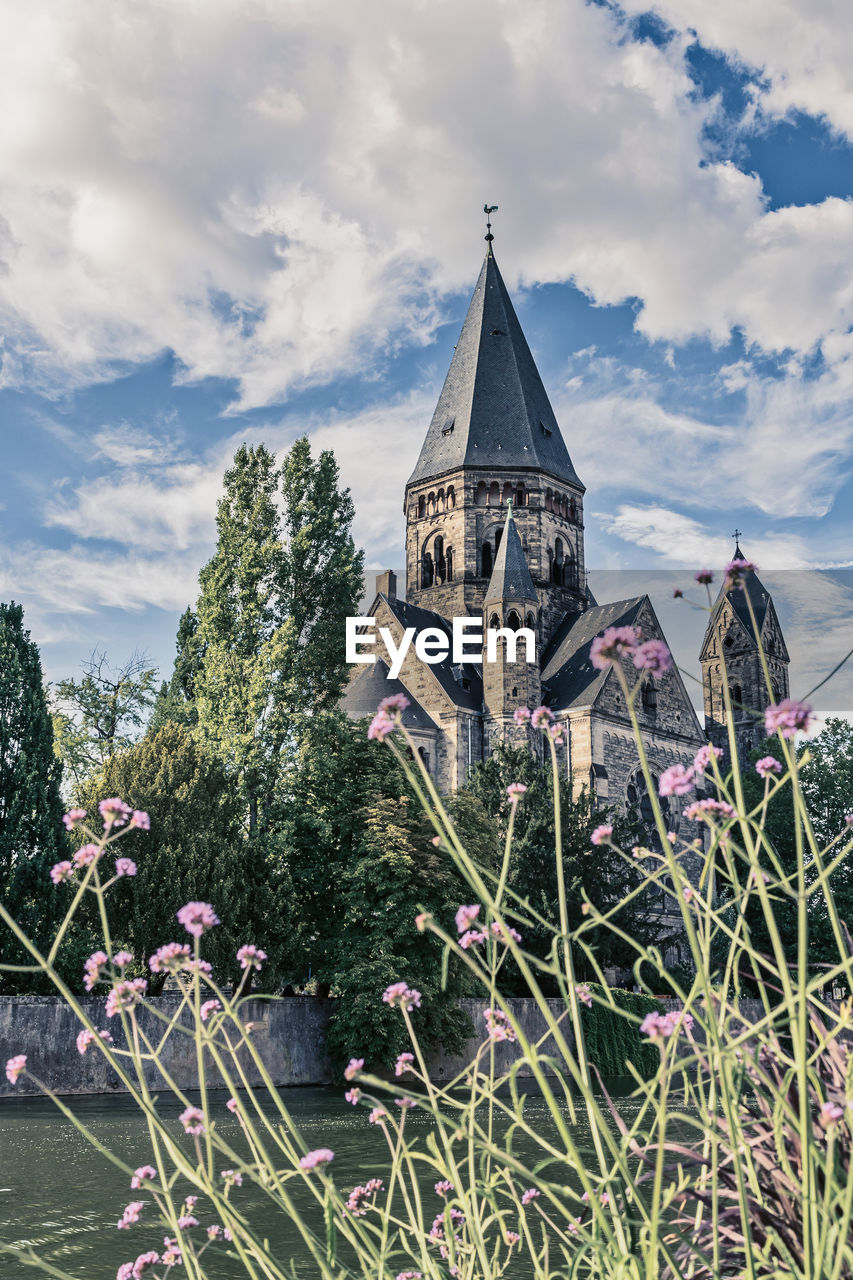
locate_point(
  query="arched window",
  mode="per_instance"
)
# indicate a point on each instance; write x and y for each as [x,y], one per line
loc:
[650,696]
[549,500]
[427,570]
[564,507]
[448,560]
[421,507]
[507,493]
[487,560]
[520,496]
[431,504]
[494,622]
[494,494]
[440,500]
[737,697]
[557,566]
[482,495]
[573,510]
[440,563]
[513,621]
[530,622]
[451,498]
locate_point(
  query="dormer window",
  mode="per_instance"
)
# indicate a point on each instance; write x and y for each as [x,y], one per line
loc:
[448,427]
[546,431]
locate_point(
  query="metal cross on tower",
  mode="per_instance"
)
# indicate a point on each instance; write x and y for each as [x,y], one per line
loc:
[488,210]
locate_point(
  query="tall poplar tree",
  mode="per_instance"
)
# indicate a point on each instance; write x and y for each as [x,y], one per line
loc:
[31,834]
[271,614]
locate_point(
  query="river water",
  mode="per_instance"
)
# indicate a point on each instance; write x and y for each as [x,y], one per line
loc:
[60,1195]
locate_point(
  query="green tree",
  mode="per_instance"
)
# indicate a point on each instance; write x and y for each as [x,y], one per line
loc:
[603,876]
[826,779]
[31,834]
[196,849]
[176,697]
[103,713]
[271,615]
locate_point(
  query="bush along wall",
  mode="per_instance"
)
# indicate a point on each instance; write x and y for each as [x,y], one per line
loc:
[613,1040]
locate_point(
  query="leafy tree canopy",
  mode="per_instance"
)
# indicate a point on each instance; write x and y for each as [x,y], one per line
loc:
[102,713]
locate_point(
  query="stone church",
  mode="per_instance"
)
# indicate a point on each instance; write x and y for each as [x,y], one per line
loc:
[495,530]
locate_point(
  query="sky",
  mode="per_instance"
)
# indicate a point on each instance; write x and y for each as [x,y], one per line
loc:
[229,220]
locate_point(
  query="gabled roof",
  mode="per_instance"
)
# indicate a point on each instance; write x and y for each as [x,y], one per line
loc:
[367,689]
[493,410]
[754,591]
[567,670]
[510,578]
[411,615]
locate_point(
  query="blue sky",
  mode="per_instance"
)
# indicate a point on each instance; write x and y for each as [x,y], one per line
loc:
[245,221]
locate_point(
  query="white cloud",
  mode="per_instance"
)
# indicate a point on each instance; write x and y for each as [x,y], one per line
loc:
[681,540]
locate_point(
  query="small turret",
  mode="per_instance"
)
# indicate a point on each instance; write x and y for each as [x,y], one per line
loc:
[511,670]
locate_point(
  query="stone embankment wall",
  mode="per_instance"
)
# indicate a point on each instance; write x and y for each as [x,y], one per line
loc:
[289,1035]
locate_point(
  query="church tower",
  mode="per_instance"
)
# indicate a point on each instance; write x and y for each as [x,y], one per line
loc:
[730,651]
[511,603]
[493,438]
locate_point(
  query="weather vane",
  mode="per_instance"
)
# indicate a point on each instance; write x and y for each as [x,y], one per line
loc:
[488,210]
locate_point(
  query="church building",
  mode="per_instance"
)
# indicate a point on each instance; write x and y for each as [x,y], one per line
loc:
[495,531]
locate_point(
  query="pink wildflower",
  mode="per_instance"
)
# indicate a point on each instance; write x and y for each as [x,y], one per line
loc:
[72,817]
[122,959]
[704,756]
[172,1256]
[516,790]
[214,1231]
[402,1064]
[766,766]
[209,1007]
[512,1237]
[319,1157]
[193,1121]
[232,1179]
[125,867]
[15,1066]
[232,1105]
[251,957]
[653,656]
[86,1037]
[830,1114]
[688,893]
[359,1196]
[197,918]
[143,1262]
[92,974]
[131,1214]
[352,1096]
[140,820]
[614,643]
[114,812]
[556,732]
[530,1194]
[126,995]
[187,1221]
[660,1026]
[584,994]
[400,994]
[423,918]
[85,856]
[498,1026]
[470,938]
[466,917]
[378,1116]
[409,1275]
[145,1173]
[709,806]
[541,717]
[678,594]
[170,958]
[443,1188]
[787,717]
[504,932]
[704,577]
[602,833]
[405,1103]
[352,1069]
[383,722]
[736,572]
[62,871]
[848,819]
[521,715]
[677,780]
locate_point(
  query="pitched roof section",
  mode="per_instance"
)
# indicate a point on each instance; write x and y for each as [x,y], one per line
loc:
[367,689]
[567,670]
[754,591]
[493,409]
[412,615]
[511,578]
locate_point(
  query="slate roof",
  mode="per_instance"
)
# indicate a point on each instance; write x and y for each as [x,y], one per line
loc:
[754,589]
[511,578]
[366,690]
[493,409]
[568,673]
[411,615]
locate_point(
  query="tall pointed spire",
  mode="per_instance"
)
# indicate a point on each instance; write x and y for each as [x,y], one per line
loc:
[493,410]
[511,578]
